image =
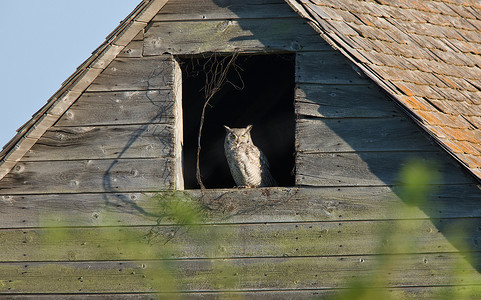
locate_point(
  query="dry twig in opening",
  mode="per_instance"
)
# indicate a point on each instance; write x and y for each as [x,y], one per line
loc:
[216,71]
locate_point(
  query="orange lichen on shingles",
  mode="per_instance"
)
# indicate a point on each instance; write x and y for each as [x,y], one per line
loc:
[475,121]
[464,134]
[406,90]
[415,103]
[428,52]
[472,161]
[450,107]
[420,90]
[441,119]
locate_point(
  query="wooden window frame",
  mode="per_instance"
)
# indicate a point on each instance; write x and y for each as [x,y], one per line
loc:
[179,119]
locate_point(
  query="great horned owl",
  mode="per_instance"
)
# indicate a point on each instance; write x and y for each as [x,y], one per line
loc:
[248,165]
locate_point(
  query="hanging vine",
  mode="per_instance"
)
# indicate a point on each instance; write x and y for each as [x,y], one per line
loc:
[216,70]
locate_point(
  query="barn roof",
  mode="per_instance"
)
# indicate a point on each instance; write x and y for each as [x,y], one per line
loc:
[426,54]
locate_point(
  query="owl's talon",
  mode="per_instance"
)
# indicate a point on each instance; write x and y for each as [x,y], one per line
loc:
[242,186]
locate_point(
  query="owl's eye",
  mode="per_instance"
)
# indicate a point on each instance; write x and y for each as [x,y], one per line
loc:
[243,136]
[231,136]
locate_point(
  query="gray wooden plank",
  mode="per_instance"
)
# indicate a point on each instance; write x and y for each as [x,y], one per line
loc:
[178,127]
[178,10]
[338,101]
[80,176]
[327,67]
[355,135]
[237,206]
[132,107]
[238,241]
[286,273]
[99,296]
[103,142]
[135,74]
[250,35]
[400,293]
[371,168]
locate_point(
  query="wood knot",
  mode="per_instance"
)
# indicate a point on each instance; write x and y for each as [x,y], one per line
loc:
[72,256]
[74,183]
[6,198]
[19,168]
[295,45]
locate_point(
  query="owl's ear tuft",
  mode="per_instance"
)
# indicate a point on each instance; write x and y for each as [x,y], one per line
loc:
[227,129]
[249,127]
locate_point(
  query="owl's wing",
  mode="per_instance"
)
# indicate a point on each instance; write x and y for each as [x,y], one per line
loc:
[267,178]
[264,161]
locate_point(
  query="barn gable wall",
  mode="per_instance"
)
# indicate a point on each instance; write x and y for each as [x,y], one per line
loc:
[101,144]
[97,168]
[126,116]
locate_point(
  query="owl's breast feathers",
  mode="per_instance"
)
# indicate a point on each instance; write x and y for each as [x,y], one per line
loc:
[249,167]
[247,163]
[253,167]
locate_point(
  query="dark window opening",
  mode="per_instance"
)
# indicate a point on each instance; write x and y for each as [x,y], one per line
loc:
[266,100]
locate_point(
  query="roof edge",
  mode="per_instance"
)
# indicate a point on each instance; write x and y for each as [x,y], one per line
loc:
[71,89]
[350,53]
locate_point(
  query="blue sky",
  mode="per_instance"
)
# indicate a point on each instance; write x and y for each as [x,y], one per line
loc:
[43,42]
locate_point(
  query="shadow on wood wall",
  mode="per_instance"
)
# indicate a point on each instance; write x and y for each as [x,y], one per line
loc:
[121,201]
[350,133]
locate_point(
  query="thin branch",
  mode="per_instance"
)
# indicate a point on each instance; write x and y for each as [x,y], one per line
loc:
[215,78]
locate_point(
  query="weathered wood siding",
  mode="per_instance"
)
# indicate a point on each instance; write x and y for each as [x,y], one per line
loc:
[118,136]
[321,237]
[91,177]
[350,133]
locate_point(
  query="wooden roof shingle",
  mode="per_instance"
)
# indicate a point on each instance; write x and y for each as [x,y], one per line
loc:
[426,54]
